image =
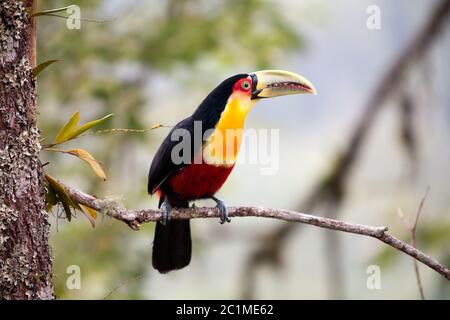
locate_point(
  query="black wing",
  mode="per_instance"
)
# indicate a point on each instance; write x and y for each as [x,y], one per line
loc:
[163,166]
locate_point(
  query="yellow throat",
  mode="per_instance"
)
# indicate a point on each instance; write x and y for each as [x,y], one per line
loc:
[222,146]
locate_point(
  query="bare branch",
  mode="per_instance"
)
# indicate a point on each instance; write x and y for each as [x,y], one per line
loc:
[135,218]
[412,229]
[419,211]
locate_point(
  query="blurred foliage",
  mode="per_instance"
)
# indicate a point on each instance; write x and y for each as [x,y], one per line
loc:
[105,258]
[231,32]
[107,65]
[103,68]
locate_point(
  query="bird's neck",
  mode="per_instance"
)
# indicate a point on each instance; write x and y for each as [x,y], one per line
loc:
[223,145]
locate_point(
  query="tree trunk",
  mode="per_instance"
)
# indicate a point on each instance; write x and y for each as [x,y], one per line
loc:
[25,261]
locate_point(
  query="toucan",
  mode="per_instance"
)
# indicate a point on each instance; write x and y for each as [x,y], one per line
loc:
[199,153]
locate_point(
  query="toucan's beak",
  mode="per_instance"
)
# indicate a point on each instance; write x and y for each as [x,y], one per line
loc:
[274,83]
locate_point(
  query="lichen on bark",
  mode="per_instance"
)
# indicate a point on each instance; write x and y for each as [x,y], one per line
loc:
[25,262]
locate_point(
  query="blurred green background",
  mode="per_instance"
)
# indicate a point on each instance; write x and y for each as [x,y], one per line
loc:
[154,61]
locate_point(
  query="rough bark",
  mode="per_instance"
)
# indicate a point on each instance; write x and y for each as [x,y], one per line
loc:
[25,261]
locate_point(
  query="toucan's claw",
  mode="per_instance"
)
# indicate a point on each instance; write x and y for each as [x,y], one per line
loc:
[166,209]
[223,210]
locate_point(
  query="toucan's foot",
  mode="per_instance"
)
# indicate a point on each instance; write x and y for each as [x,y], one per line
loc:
[223,210]
[166,209]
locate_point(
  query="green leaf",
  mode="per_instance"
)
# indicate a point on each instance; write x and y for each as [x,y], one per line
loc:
[66,132]
[45,12]
[42,66]
[64,198]
[57,194]
[70,130]
[91,124]
[51,199]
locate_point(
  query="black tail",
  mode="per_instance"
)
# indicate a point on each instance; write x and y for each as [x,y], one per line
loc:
[172,245]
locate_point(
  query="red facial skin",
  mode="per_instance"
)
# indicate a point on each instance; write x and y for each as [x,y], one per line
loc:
[245,90]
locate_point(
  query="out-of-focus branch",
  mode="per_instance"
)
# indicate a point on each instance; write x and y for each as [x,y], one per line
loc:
[135,218]
[331,189]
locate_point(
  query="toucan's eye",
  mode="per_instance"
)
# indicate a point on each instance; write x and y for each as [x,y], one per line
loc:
[245,85]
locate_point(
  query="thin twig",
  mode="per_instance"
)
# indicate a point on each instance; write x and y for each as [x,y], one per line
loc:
[78,19]
[412,229]
[135,218]
[120,285]
[48,147]
[419,211]
[414,243]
